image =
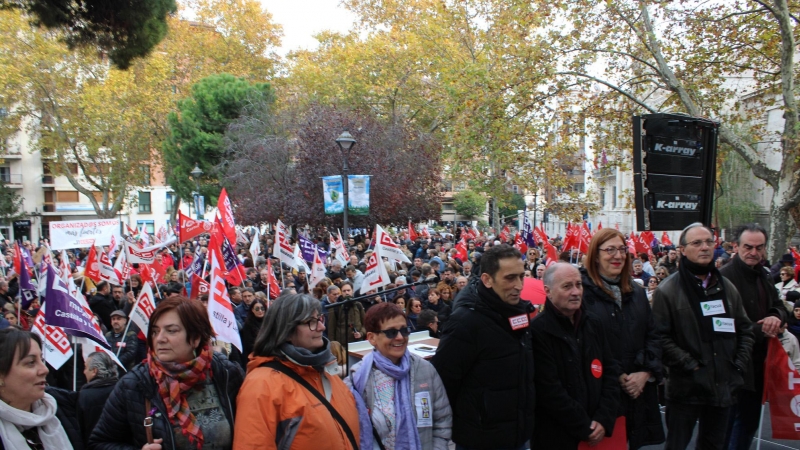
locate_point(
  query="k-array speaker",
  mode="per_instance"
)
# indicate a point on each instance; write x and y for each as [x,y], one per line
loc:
[674,170]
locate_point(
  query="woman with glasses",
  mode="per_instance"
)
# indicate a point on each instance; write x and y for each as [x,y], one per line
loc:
[186,390]
[252,324]
[610,293]
[662,273]
[27,414]
[290,398]
[401,400]
[652,284]
[786,284]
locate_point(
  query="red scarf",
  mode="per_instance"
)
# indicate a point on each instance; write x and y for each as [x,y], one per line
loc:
[174,381]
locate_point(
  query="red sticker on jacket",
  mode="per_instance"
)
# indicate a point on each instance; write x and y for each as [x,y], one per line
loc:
[597,368]
[519,322]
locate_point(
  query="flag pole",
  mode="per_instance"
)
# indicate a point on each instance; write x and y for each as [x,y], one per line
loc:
[74,363]
[760,425]
[127,327]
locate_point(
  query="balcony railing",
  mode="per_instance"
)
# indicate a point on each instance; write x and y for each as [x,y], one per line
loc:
[11,178]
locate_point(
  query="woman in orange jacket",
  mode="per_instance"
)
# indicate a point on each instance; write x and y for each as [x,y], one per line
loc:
[290,398]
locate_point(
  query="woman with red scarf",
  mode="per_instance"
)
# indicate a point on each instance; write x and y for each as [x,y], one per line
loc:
[188,392]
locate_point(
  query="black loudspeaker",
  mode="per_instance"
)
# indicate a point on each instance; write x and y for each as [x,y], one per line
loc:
[674,170]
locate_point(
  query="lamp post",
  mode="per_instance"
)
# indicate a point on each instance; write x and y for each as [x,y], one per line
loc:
[345,141]
[196,174]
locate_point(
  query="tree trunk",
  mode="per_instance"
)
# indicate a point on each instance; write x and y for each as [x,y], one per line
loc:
[781,225]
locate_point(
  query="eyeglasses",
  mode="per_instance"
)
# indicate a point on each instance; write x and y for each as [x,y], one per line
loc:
[314,322]
[391,333]
[699,242]
[258,309]
[613,250]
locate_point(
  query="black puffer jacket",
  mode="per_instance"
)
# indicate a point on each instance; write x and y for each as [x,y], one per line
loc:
[66,401]
[487,370]
[718,361]
[572,391]
[121,425]
[91,399]
[631,332]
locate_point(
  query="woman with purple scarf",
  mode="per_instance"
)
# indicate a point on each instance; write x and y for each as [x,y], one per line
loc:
[401,401]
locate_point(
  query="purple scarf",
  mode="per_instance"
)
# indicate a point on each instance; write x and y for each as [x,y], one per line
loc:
[407,435]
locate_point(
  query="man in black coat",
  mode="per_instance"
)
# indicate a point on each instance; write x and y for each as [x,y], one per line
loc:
[576,374]
[123,345]
[102,304]
[485,357]
[101,374]
[764,308]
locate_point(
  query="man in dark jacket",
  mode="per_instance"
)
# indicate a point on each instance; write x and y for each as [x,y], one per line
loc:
[706,342]
[101,374]
[102,304]
[576,374]
[485,357]
[764,308]
[123,344]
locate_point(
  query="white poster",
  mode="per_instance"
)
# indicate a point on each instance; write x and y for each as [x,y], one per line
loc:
[82,233]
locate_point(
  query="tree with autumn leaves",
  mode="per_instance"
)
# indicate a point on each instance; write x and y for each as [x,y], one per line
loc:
[277,159]
[109,122]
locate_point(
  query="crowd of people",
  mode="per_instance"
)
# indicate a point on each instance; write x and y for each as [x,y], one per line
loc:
[618,336]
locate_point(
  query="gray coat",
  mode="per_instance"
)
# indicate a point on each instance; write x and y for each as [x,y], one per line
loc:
[423,378]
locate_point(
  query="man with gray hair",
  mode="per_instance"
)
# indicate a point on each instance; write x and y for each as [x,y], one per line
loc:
[707,341]
[576,373]
[101,377]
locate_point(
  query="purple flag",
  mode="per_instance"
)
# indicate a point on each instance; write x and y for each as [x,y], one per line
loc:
[196,267]
[26,255]
[65,311]
[527,230]
[307,248]
[229,255]
[27,290]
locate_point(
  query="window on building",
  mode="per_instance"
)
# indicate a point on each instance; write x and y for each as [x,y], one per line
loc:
[577,187]
[144,202]
[67,196]
[5,174]
[515,189]
[602,198]
[145,175]
[170,202]
[614,197]
[148,225]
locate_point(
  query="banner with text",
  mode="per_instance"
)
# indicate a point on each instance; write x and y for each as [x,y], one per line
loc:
[358,195]
[82,233]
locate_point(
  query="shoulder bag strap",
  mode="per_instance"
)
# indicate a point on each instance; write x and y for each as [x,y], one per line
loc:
[148,421]
[274,364]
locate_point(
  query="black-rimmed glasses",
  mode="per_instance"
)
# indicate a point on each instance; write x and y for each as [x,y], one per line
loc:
[391,333]
[314,322]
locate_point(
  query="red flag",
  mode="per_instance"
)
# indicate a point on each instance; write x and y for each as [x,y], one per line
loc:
[552,253]
[92,269]
[199,286]
[232,268]
[540,235]
[665,240]
[571,240]
[412,233]
[274,287]
[631,243]
[226,216]
[461,247]
[17,258]
[782,391]
[795,255]
[148,274]
[519,244]
[599,226]
[716,239]
[585,239]
[505,234]
[189,228]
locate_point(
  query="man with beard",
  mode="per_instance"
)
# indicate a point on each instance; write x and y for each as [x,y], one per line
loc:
[707,340]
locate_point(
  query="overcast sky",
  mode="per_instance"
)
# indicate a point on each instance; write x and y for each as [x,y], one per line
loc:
[302,18]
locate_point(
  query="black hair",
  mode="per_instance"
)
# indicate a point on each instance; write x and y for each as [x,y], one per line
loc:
[751,227]
[13,339]
[490,261]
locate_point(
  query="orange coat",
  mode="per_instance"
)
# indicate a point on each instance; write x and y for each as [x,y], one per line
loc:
[272,410]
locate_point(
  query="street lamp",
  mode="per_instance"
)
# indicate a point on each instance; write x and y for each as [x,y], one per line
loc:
[197,172]
[345,141]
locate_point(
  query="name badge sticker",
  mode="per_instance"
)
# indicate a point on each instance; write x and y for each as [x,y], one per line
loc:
[519,322]
[712,308]
[724,325]
[422,402]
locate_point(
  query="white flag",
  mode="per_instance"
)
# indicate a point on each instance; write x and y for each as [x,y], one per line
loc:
[57,349]
[255,247]
[387,246]
[297,259]
[143,309]
[376,275]
[341,252]
[220,310]
[318,271]
[134,254]
[282,249]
